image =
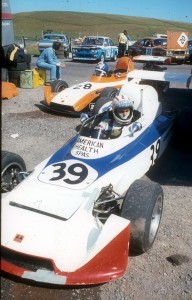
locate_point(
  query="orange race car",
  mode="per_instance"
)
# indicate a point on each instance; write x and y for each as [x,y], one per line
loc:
[82,97]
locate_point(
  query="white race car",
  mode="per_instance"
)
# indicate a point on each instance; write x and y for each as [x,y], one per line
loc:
[75,218]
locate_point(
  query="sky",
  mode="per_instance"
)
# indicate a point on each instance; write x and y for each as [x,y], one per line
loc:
[166,10]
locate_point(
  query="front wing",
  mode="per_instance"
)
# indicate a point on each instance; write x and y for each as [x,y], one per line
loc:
[101,264]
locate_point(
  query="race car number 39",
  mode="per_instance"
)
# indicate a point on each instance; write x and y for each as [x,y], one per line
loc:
[69,173]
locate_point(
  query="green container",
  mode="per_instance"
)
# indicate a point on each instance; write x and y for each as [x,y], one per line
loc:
[26,79]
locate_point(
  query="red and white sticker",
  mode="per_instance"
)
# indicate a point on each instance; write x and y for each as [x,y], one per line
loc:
[18,238]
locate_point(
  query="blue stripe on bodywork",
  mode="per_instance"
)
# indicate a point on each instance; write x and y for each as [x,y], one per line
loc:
[123,155]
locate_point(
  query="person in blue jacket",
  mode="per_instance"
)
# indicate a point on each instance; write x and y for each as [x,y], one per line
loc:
[48,61]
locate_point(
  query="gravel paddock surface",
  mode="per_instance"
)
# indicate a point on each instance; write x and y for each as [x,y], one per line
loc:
[165,271]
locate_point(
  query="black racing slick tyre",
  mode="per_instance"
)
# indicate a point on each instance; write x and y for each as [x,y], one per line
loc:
[143,206]
[106,95]
[101,105]
[11,165]
[109,92]
[58,86]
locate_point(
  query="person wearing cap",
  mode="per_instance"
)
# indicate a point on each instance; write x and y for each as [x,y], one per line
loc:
[48,61]
[122,44]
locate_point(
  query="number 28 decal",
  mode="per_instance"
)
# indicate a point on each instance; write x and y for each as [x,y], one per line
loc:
[69,173]
[86,86]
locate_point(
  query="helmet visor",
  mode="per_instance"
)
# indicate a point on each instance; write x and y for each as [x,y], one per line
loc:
[123,113]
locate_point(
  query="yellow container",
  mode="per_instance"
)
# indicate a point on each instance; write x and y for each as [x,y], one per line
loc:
[42,76]
[35,78]
[39,77]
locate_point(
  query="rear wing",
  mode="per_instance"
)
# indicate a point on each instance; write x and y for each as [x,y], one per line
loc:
[152,59]
[160,76]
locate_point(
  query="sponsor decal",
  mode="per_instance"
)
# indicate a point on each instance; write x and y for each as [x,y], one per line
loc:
[18,238]
[88,148]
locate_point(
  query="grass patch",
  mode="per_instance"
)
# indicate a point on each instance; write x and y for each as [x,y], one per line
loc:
[74,24]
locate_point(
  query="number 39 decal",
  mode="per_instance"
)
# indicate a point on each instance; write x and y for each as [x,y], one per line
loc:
[155,148]
[69,173]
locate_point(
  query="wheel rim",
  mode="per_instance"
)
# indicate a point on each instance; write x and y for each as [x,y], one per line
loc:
[113,95]
[9,177]
[61,88]
[156,218]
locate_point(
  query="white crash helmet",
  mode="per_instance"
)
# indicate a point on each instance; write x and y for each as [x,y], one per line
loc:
[119,104]
[101,69]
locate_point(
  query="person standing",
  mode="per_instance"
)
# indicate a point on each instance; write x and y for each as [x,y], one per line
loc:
[128,39]
[48,61]
[122,44]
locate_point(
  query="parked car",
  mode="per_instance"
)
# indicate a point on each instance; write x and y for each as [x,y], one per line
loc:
[178,56]
[177,46]
[148,46]
[95,48]
[157,47]
[49,38]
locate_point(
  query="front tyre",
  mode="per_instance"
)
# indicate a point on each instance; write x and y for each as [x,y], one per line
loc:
[11,165]
[58,86]
[102,57]
[114,57]
[143,206]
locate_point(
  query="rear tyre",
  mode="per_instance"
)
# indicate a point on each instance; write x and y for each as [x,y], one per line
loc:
[143,205]
[109,92]
[101,105]
[11,165]
[104,100]
[58,86]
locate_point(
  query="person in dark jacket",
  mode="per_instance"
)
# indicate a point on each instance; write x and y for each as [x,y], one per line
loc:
[48,61]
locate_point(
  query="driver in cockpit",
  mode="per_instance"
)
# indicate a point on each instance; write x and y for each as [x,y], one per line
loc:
[119,116]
